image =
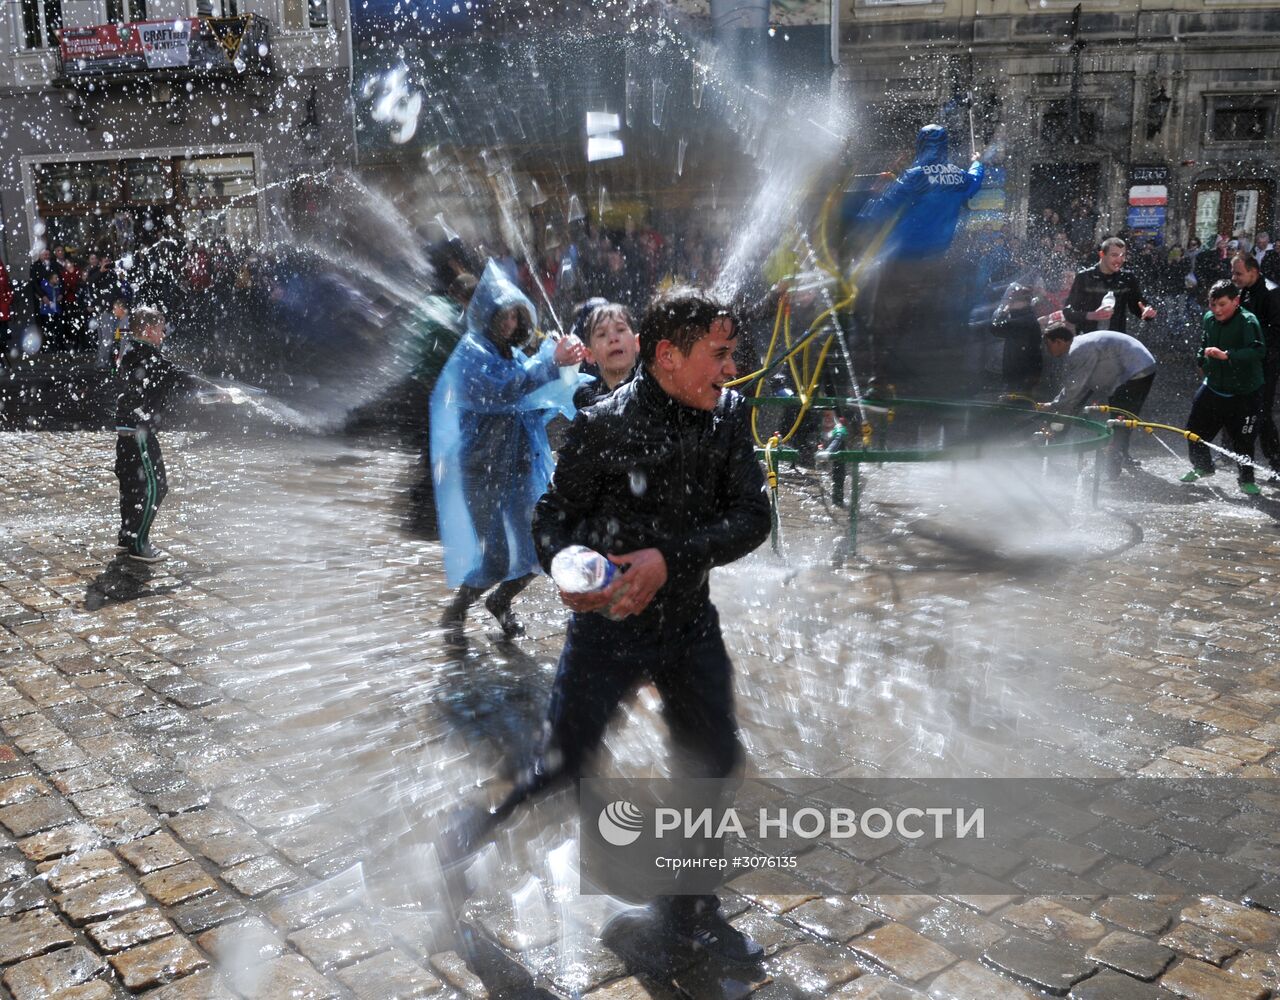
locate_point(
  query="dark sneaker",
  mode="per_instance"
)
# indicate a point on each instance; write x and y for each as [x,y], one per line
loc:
[713,934]
[123,543]
[1250,488]
[148,554]
[506,618]
[1195,474]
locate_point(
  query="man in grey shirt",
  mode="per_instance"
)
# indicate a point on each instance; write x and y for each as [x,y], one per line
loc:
[1104,364]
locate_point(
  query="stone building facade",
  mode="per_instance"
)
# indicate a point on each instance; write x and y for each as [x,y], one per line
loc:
[124,121]
[1094,100]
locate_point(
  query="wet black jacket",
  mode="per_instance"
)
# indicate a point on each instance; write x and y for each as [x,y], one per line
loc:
[1086,296]
[1262,298]
[148,382]
[640,470]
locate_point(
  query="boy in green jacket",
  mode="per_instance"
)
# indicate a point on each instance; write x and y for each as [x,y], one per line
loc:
[1230,398]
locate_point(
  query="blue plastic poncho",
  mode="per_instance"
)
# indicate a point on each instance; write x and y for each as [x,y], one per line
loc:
[490,458]
[929,194]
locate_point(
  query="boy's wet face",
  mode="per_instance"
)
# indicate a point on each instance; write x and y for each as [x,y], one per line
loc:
[612,345]
[1224,308]
[152,334]
[696,379]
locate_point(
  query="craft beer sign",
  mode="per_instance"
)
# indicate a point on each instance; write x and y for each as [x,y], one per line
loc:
[165,43]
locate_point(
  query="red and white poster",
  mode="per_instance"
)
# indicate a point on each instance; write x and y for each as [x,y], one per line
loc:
[1147,195]
[141,45]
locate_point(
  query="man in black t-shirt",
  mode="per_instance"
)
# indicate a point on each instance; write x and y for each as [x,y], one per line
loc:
[1086,307]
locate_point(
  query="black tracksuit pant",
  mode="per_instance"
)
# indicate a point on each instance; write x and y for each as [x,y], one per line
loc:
[1212,412]
[602,663]
[1268,437]
[140,470]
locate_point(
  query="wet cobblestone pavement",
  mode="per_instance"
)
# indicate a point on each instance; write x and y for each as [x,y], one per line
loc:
[218,774]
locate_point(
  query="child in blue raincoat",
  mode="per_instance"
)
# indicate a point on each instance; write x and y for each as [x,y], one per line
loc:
[489,453]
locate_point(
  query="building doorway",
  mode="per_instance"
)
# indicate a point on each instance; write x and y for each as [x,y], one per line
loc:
[1230,208]
[1070,190]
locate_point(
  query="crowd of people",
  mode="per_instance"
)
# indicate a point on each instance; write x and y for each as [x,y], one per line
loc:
[1238,356]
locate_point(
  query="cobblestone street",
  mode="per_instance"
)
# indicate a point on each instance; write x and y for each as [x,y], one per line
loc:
[218,775]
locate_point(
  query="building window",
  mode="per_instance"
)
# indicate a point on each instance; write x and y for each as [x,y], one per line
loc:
[41,21]
[318,13]
[1055,126]
[1232,124]
[118,14]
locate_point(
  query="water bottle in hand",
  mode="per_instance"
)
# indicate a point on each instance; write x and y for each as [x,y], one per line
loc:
[1108,301]
[580,570]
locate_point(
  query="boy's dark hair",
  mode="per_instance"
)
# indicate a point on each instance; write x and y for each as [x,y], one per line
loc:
[682,315]
[119,300]
[145,316]
[610,310]
[1223,289]
[1059,331]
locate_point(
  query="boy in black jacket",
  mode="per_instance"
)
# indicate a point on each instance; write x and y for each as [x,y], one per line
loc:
[149,382]
[660,476]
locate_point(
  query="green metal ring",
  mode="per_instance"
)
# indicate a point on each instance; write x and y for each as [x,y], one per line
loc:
[1102,434]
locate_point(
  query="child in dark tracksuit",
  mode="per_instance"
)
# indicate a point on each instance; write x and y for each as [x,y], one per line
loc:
[702,504]
[1230,398]
[149,381]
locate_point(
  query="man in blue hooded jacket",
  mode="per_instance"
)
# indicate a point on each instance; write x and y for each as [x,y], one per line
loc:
[490,457]
[926,198]
[916,293]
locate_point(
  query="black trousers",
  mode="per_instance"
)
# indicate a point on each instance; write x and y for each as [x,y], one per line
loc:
[140,470]
[1237,415]
[1129,396]
[1268,437]
[601,664]
[604,661]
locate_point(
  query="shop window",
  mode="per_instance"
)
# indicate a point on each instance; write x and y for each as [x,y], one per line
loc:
[110,202]
[149,180]
[318,13]
[76,183]
[1231,207]
[217,177]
